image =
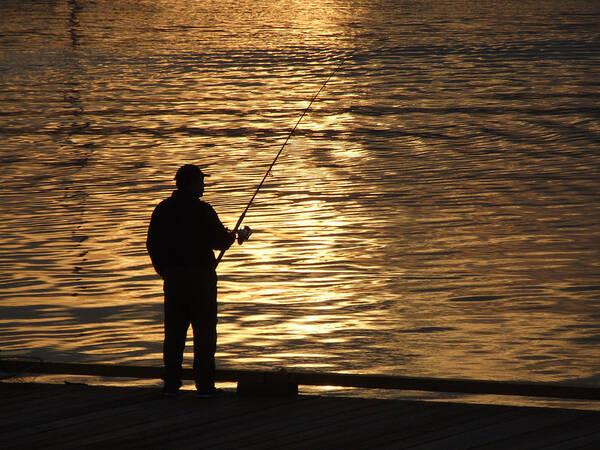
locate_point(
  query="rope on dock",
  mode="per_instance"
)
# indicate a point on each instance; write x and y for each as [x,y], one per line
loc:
[24,364]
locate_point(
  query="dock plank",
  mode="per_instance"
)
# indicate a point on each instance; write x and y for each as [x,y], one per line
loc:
[14,397]
[419,420]
[104,417]
[549,435]
[76,426]
[384,428]
[268,422]
[285,421]
[158,417]
[317,424]
[449,425]
[583,439]
[528,421]
[178,416]
[65,402]
[364,426]
[259,423]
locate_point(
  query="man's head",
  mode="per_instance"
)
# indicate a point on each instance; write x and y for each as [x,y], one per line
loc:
[190,178]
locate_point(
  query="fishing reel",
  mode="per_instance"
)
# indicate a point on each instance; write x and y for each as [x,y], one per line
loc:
[243,235]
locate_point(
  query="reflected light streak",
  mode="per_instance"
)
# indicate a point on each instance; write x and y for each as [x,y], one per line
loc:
[405,217]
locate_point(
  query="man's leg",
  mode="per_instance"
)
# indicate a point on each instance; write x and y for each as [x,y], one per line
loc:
[204,324]
[205,346]
[176,326]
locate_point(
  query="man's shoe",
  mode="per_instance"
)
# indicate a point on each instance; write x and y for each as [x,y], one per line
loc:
[209,393]
[170,391]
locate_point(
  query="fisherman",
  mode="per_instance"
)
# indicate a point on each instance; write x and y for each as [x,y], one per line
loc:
[182,235]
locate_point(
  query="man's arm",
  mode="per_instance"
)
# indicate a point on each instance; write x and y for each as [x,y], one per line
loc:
[155,242]
[220,238]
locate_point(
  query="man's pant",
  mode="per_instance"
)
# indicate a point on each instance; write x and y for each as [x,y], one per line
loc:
[190,298]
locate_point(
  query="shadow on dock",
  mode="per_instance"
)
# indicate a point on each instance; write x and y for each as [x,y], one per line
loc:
[35,415]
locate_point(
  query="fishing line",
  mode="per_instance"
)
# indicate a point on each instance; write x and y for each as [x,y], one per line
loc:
[239,222]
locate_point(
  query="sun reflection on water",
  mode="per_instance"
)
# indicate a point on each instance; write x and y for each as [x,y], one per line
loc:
[435,213]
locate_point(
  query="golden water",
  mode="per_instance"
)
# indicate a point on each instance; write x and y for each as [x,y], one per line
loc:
[435,214]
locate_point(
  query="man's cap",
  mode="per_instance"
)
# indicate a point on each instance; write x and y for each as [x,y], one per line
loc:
[189,172]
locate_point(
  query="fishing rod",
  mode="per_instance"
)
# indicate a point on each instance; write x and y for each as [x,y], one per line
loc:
[247,230]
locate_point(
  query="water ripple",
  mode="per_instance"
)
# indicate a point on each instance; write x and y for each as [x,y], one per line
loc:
[436,212]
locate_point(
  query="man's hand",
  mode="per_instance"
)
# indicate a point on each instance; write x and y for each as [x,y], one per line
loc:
[231,237]
[243,235]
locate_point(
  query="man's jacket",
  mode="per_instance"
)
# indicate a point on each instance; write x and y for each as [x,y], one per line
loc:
[183,233]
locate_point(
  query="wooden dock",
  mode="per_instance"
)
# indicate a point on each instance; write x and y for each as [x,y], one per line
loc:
[34,415]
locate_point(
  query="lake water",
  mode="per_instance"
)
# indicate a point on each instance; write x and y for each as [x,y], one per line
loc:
[435,214]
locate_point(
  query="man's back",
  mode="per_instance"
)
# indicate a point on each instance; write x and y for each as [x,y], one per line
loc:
[183,232]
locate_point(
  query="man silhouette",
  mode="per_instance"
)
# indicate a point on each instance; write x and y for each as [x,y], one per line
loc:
[182,235]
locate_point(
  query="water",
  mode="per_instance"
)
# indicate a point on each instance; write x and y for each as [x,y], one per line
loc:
[435,214]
